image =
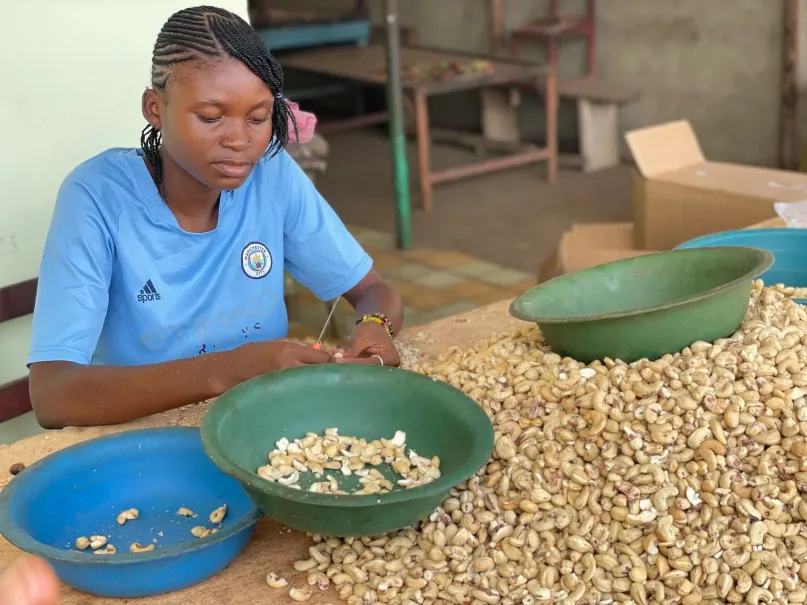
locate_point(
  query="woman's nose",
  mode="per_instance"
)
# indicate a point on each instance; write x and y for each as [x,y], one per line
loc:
[237,137]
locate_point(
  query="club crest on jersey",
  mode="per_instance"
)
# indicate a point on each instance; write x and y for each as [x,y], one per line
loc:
[256,260]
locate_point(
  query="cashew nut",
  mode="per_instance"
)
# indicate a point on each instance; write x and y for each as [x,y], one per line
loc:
[202,532]
[299,594]
[275,581]
[217,516]
[108,549]
[128,515]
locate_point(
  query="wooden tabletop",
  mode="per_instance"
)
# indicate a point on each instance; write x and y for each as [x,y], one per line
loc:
[273,548]
[367,64]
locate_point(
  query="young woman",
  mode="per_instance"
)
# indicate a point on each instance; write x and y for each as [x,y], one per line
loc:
[161,282]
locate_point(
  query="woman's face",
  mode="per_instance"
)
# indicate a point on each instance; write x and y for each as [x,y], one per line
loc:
[215,118]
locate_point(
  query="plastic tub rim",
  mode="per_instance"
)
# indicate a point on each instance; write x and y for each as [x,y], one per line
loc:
[764,262]
[481,450]
[20,538]
[696,242]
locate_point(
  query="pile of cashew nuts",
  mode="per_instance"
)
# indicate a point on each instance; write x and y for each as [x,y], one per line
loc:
[331,457]
[676,480]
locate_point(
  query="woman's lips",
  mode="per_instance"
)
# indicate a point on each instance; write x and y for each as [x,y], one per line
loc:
[233,170]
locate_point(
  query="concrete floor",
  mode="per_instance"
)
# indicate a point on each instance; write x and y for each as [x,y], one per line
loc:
[512,218]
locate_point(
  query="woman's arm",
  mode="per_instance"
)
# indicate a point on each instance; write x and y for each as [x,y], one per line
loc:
[371,339]
[373,295]
[71,394]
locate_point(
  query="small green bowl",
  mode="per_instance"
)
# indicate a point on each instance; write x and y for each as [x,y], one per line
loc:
[242,426]
[647,306]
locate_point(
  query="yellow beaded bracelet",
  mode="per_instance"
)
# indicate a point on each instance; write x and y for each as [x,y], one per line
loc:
[378,318]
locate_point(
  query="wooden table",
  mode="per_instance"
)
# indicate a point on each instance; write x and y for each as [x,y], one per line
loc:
[272,548]
[367,66]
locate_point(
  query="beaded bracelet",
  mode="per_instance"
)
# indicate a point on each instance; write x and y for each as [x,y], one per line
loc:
[378,318]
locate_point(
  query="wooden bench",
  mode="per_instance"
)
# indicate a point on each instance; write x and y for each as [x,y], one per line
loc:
[16,308]
[597,120]
[597,114]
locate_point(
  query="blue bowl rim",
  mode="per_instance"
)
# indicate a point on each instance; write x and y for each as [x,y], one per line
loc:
[253,481]
[696,242]
[25,542]
[765,262]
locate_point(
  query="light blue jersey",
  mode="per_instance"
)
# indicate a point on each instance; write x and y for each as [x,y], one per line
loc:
[121,284]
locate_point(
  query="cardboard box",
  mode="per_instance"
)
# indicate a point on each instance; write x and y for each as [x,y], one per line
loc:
[587,245]
[679,194]
[772,223]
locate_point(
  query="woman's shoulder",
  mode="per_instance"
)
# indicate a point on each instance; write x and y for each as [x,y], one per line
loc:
[105,184]
[278,177]
[110,166]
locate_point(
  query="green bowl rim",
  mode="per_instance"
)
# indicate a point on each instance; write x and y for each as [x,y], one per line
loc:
[764,262]
[481,452]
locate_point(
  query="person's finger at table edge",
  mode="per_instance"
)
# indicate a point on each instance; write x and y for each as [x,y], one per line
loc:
[366,360]
[29,581]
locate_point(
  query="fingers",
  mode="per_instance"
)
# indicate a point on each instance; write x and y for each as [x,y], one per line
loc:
[354,350]
[365,360]
[29,581]
[309,355]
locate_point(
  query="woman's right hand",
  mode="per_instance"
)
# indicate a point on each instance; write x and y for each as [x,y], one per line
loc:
[256,358]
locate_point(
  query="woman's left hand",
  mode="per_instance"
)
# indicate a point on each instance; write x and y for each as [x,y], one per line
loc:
[368,340]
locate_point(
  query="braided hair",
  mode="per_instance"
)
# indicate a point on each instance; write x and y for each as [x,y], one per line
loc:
[208,32]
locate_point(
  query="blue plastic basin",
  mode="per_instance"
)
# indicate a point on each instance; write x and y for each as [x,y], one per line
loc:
[80,490]
[788,246]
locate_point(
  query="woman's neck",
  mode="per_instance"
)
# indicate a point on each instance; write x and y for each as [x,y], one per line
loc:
[194,205]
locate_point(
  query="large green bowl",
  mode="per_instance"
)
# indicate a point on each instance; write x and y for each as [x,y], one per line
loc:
[243,425]
[647,306]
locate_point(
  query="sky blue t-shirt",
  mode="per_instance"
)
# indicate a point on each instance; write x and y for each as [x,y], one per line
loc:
[122,284]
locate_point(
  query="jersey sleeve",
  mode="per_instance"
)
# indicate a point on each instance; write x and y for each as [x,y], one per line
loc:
[74,276]
[319,251]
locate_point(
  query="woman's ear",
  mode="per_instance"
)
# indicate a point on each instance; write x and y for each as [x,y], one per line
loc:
[151,107]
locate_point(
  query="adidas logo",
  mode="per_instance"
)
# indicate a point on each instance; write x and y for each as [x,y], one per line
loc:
[148,293]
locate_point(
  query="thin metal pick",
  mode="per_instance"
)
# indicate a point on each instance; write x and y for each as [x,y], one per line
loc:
[318,344]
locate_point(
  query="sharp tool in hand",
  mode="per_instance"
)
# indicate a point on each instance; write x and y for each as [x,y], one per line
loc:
[318,344]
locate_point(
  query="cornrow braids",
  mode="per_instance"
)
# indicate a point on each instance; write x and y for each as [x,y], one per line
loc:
[205,32]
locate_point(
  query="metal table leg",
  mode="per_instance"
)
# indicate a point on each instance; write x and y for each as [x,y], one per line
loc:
[403,208]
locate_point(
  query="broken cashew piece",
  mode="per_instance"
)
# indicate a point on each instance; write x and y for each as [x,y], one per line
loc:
[185,512]
[128,515]
[300,594]
[107,550]
[137,547]
[97,542]
[217,516]
[202,532]
[83,543]
[275,581]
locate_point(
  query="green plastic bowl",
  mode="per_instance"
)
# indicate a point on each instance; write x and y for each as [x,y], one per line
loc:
[243,425]
[647,306]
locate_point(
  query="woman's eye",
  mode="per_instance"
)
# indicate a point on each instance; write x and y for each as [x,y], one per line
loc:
[207,120]
[258,120]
